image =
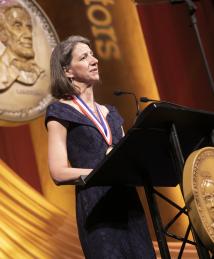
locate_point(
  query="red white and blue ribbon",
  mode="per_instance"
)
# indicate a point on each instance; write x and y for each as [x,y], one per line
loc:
[101,123]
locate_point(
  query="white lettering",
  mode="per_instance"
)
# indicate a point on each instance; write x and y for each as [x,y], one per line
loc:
[95,12]
[106,32]
[107,49]
[101,20]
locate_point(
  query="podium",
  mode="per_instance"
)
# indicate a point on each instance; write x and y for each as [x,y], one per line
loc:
[152,154]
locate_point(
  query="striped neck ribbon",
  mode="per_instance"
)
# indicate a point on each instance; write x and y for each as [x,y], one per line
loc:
[100,123]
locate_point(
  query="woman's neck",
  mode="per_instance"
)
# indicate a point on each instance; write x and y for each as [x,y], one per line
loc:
[87,95]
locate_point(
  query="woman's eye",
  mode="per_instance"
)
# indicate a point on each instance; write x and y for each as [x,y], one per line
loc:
[83,57]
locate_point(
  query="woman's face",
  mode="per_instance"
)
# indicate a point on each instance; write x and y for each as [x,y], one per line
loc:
[84,66]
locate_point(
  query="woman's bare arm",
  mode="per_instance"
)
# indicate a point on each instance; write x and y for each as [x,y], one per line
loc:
[57,155]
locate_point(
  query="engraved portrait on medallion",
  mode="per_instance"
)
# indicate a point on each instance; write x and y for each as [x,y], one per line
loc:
[26,41]
[198,184]
[207,194]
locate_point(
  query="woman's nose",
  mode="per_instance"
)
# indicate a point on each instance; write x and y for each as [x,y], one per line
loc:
[94,60]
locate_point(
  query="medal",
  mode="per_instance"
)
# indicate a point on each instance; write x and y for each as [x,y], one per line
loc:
[101,123]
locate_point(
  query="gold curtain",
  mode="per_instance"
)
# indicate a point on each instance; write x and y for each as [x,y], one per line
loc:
[30,226]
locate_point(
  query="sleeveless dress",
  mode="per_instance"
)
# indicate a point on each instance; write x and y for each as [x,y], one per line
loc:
[111,221]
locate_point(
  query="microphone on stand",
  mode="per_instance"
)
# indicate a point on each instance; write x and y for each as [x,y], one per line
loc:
[144,99]
[119,92]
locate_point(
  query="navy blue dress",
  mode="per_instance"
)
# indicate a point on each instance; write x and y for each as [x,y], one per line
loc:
[111,220]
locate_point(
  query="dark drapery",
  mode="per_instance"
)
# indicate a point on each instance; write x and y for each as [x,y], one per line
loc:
[174,51]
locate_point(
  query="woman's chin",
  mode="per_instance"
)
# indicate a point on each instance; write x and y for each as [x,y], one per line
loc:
[95,80]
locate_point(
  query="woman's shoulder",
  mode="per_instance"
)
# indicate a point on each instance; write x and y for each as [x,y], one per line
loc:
[61,111]
[57,107]
[54,104]
[110,108]
[113,113]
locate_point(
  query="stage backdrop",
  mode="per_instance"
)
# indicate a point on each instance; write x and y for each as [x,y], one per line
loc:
[177,62]
[118,39]
[118,42]
[174,50]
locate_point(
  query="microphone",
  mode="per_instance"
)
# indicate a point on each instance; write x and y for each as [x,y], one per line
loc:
[119,92]
[144,99]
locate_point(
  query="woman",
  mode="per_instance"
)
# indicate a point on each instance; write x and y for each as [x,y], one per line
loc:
[111,220]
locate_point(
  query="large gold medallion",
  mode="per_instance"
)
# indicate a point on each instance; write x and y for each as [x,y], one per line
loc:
[198,187]
[26,41]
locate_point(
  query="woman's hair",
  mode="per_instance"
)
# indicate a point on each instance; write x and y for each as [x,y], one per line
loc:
[61,57]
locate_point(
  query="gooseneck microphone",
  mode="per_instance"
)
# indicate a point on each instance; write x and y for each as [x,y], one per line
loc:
[119,92]
[144,99]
